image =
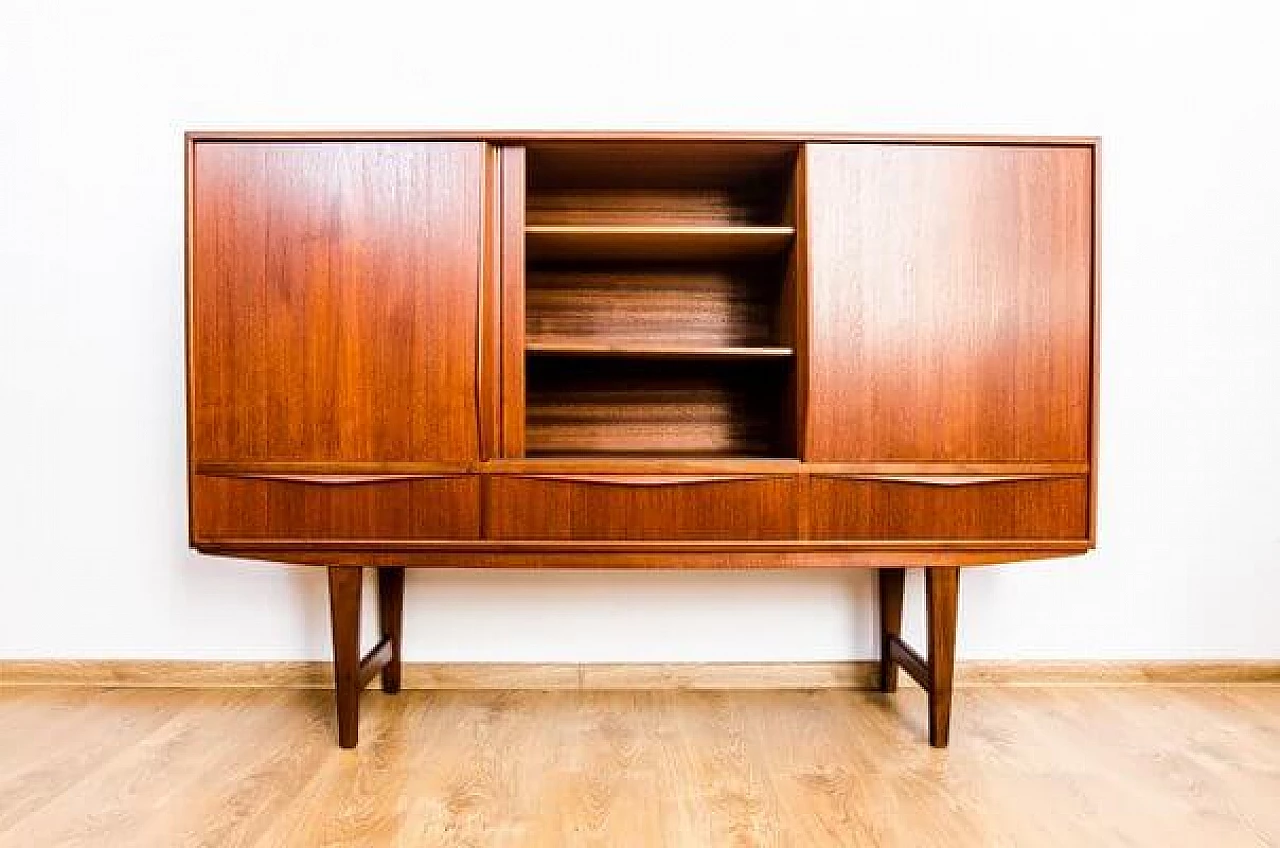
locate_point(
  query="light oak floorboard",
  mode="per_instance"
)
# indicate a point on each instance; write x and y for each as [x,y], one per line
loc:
[1149,765]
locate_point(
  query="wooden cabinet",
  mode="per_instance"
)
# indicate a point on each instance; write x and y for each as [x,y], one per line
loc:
[640,350]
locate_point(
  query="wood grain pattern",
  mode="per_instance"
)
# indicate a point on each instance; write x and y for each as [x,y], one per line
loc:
[326,276]
[845,508]
[1179,767]
[389,508]
[951,294]
[533,508]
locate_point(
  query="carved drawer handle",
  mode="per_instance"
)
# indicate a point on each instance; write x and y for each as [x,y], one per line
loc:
[335,479]
[643,479]
[949,479]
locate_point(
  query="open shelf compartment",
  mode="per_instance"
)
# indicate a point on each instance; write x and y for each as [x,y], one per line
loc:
[656,407]
[656,306]
[661,289]
[686,184]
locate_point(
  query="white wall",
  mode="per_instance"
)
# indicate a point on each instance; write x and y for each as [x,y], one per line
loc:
[94,98]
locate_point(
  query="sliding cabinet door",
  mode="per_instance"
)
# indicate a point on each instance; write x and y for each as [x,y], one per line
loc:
[951,302]
[334,300]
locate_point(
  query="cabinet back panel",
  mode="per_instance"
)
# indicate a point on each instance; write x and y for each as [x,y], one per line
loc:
[950,302]
[333,311]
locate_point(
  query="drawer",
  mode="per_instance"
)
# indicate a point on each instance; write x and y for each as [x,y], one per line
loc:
[948,507]
[335,507]
[642,507]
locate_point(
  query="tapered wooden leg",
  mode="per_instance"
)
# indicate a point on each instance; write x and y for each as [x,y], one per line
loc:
[391,620]
[942,588]
[344,611]
[892,581]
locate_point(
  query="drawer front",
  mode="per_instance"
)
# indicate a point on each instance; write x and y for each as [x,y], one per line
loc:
[335,508]
[941,508]
[622,507]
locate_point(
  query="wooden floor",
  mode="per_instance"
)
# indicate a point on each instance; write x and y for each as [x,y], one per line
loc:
[1149,765]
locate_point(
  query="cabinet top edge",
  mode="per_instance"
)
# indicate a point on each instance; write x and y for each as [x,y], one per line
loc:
[521,136]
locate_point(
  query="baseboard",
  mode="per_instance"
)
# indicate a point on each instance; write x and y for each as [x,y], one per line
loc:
[624,676]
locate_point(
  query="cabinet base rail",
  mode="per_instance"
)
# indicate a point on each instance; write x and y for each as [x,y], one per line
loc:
[353,671]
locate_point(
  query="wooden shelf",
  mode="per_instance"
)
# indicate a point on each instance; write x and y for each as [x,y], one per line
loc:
[666,242]
[558,348]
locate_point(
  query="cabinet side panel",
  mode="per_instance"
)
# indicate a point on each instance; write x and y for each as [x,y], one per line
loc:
[334,300]
[951,302]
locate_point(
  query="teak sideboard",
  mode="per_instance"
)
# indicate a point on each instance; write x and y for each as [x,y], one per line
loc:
[640,350]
